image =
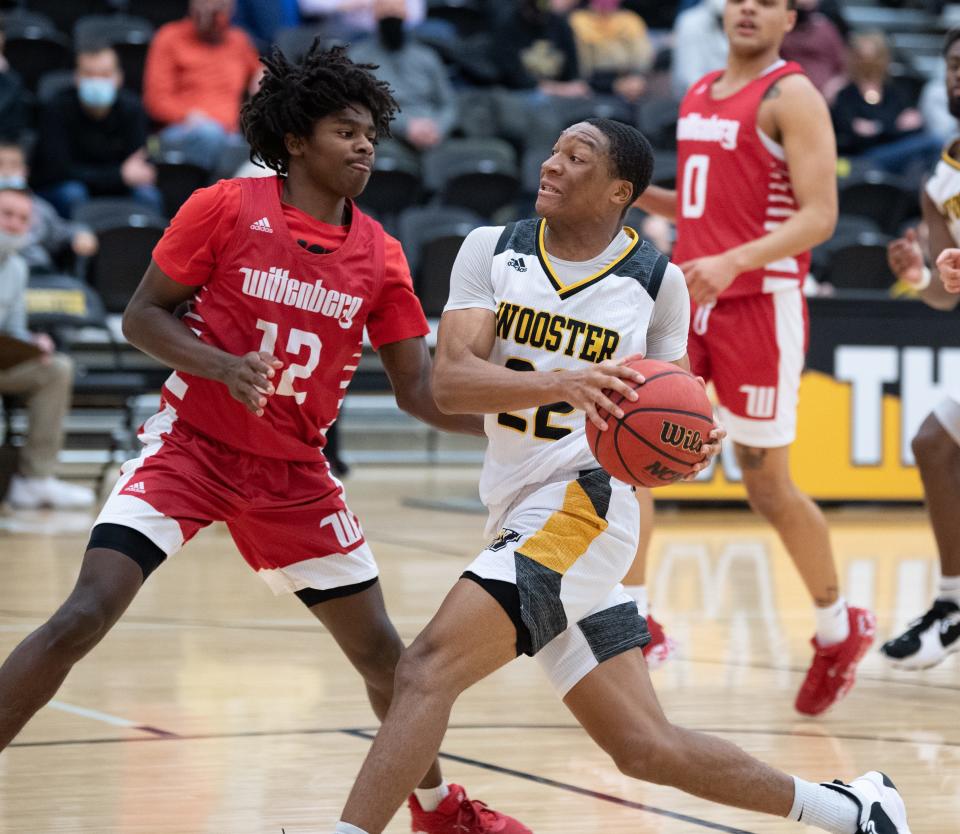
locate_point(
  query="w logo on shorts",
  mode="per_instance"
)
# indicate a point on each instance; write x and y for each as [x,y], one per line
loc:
[345,527]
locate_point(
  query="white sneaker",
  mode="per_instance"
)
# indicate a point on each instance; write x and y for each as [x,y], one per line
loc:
[881,808]
[34,493]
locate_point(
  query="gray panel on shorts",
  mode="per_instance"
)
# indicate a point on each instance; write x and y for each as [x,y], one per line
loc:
[615,630]
[596,484]
[540,607]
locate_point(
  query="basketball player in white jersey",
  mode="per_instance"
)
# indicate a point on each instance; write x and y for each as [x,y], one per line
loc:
[541,315]
[936,634]
[756,190]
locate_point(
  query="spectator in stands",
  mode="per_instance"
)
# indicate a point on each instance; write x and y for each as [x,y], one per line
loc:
[614,48]
[873,119]
[198,71]
[13,112]
[657,14]
[354,20]
[91,138]
[50,236]
[428,104]
[44,380]
[262,19]
[935,108]
[699,44]
[817,45]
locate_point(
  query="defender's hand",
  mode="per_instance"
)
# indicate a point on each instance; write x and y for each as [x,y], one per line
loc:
[948,265]
[711,446]
[248,379]
[587,389]
[906,259]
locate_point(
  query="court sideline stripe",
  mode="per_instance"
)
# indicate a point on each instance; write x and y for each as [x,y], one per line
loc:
[564,786]
[106,718]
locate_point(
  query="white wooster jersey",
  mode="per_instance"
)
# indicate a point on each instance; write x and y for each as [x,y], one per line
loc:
[944,188]
[554,315]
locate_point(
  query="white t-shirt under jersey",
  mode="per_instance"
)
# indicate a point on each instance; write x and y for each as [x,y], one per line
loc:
[613,315]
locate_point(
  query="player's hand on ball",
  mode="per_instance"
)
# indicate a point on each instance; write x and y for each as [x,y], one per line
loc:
[248,378]
[588,389]
[906,259]
[948,265]
[711,448]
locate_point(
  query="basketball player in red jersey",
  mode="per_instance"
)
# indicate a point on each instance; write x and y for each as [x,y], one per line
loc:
[755,191]
[282,275]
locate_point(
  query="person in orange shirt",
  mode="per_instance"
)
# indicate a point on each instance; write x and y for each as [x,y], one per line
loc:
[197,73]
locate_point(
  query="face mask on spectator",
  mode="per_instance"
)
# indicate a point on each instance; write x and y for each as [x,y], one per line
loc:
[97,92]
[10,244]
[392,33]
[15,182]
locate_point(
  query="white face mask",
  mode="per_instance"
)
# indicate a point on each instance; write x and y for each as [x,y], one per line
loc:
[10,244]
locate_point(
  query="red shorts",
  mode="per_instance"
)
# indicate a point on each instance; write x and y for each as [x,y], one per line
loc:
[752,348]
[288,519]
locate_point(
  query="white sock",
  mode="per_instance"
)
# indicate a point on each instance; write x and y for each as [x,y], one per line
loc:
[949,589]
[346,828]
[823,807]
[430,798]
[833,623]
[639,595]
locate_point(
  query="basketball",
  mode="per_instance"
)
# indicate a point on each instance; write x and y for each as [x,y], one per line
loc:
[660,436]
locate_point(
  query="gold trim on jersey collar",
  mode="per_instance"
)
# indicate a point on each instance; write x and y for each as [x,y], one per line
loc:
[566,290]
[946,157]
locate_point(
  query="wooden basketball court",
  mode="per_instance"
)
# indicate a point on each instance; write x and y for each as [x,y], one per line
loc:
[215,708]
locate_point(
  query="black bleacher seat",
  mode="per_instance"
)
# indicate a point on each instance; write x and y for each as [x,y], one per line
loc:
[468,17]
[34,47]
[850,228]
[881,197]
[52,83]
[859,264]
[295,41]
[109,212]
[395,183]
[124,255]
[63,13]
[157,12]
[431,237]
[479,174]
[56,302]
[657,119]
[177,180]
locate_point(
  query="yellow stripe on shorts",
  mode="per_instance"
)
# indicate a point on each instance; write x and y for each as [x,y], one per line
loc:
[568,532]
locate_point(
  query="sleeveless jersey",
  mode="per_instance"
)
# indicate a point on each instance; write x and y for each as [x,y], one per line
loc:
[733,185]
[269,294]
[943,188]
[545,325]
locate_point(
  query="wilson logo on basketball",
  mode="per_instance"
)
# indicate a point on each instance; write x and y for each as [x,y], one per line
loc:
[680,437]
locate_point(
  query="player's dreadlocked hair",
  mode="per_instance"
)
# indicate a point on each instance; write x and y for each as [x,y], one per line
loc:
[293,96]
[949,38]
[631,157]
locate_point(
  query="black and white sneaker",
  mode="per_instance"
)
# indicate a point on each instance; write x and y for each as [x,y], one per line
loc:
[927,640]
[881,807]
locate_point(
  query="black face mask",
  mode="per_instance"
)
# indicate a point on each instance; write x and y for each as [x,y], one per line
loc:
[392,33]
[803,15]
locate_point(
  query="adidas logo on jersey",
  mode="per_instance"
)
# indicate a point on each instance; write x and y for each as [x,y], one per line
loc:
[517,264]
[275,284]
[137,487]
[262,225]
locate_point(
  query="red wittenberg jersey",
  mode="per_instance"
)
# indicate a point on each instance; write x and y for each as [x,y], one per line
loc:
[732,185]
[265,292]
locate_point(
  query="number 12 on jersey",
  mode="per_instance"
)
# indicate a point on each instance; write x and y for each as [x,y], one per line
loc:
[542,428]
[296,341]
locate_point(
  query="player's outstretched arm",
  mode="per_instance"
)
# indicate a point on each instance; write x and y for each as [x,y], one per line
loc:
[465,382]
[657,200]
[149,323]
[410,370]
[941,293]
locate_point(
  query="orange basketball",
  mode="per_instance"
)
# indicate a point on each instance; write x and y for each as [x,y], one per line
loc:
[660,436]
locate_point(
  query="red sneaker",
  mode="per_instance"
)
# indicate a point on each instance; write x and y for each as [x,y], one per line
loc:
[660,648]
[458,814]
[833,670]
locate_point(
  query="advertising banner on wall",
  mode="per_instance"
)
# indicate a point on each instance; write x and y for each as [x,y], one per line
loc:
[875,369]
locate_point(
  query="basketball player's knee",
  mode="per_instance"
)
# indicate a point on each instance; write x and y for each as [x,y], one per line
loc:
[932,446]
[377,659]
[425,669]
[771,497]
[76,628]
